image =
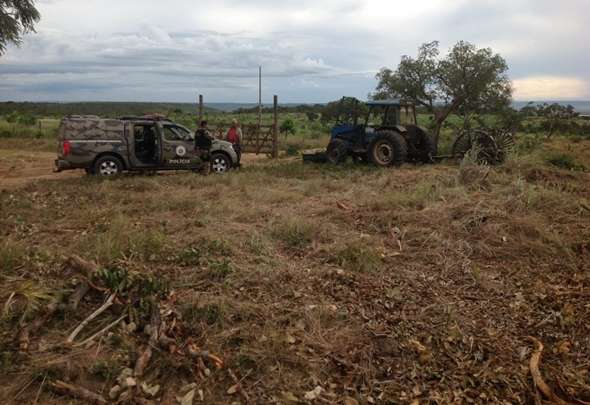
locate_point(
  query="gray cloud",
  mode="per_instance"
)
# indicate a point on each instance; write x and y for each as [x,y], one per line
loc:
[311,51]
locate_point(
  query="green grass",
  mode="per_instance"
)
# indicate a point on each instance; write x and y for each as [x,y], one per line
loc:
[12,255]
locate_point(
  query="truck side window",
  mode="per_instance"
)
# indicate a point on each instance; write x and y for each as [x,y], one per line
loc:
[170,134]
[174,133]
[185,134]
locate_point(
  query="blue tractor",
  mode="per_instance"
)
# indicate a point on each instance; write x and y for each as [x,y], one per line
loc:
[386,136]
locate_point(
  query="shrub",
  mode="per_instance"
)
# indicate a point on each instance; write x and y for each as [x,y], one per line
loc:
[199,252]
[292,150]
[295,234]
[12,254]
[288,127]
[357,256]
[209,314]
[564,161]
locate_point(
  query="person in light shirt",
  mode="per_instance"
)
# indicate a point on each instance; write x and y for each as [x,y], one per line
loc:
[234,136]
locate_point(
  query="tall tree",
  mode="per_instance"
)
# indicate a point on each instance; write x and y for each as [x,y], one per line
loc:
[466,80]
[17,17]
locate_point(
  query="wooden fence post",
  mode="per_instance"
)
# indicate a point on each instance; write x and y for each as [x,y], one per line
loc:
[275,128]
[200,109]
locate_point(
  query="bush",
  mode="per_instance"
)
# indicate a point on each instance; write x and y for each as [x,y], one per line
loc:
[27,120]
[292,150]
[288,127]
[12,254]
[565,161]
[5,133]
[357,256]
[295,234]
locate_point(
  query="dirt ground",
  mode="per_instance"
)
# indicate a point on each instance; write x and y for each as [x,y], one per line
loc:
[288,283]
[18,167]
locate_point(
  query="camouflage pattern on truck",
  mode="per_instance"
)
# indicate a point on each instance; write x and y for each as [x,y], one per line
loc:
[89,137]
[110,146]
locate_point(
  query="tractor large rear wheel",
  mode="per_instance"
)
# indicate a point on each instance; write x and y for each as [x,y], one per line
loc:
[337,151]
[388,148]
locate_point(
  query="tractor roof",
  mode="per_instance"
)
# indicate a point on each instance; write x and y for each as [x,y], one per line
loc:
[393,101]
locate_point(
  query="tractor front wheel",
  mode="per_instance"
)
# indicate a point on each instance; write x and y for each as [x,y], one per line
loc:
[337,151]
[388,148]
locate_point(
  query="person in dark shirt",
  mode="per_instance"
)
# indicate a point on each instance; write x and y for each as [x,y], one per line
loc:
[203,141]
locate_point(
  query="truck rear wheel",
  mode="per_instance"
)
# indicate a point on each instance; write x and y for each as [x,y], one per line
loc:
[108,166]
[388,148]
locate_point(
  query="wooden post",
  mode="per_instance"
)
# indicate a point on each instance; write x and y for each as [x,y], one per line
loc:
[259,98]
[200,108]
[275,128]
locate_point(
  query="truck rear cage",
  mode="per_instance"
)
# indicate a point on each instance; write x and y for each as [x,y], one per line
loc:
[150,117]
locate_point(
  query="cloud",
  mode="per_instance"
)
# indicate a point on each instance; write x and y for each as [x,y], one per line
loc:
[548,87]
[310,50]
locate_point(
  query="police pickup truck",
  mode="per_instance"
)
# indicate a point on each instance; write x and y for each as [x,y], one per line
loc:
[107,147]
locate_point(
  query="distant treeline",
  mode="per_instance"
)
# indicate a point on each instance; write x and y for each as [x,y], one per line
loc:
[103,109]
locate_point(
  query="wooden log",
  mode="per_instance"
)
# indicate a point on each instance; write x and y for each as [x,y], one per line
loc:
[78,392]
[82,266]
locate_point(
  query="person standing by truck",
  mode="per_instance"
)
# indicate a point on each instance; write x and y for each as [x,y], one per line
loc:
[234,136]
[203,142]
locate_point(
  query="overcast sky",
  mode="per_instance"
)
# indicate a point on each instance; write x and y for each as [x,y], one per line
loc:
[310,50]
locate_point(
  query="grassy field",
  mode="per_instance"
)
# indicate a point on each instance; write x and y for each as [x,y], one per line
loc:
[312,283]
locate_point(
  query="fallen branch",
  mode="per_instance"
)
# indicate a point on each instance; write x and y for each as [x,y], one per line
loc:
[144,359]
[93,315]
[24,335]
[237,387]
[78,392]
[538,378]
[82,266]
[78,294]
[101,332]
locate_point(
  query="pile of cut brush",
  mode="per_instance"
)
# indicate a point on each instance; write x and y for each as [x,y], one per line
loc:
[143,316]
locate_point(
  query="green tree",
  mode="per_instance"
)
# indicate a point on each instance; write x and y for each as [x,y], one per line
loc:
[288,127]
[467,80]
[556,116]
[343,110]
[26,119]
[17,17]
[12,117]
[312,116]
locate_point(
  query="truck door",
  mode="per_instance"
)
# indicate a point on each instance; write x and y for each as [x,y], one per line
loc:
[144,144]
[178,148]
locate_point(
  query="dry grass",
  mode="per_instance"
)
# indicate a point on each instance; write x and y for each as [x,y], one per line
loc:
[415,283]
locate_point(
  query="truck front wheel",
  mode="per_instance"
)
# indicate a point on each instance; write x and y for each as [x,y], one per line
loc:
[108,166]
[220,163]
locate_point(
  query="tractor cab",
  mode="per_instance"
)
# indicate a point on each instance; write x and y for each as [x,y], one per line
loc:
[381,131]
[389,114]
